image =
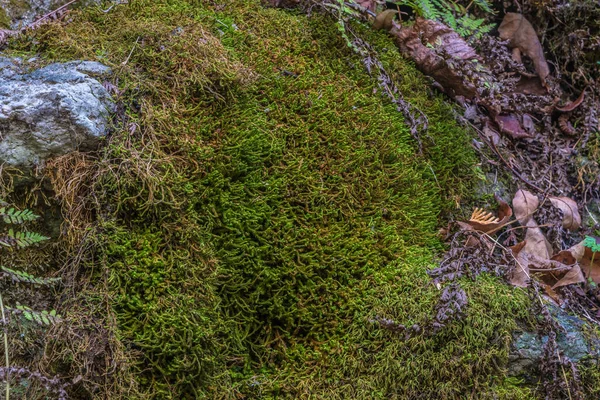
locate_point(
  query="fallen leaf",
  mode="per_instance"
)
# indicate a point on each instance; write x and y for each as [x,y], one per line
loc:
[524,205]
[384,20]
[422,43]
[510,125]
[520,275]
[565,257]
[485,222]
[367,4]
[537,244]
[571,218]
[574,275]
[530,85]
[551,293]
[573,105]
[521,35]
[588,260]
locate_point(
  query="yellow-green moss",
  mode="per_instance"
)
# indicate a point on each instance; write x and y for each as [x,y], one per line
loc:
[255,220]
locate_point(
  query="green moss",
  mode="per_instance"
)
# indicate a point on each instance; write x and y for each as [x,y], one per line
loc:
[256,220]
[4,19]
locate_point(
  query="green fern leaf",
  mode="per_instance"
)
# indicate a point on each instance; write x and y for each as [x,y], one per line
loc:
[45,318]
[13,216]
[22,276]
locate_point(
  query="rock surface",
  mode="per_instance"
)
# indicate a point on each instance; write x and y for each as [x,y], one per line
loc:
[16,14]
[574,342]
[51,111]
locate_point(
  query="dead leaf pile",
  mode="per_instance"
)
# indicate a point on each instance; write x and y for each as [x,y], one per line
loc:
[534,256]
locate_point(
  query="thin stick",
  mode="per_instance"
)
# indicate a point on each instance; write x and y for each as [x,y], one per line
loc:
[5,350]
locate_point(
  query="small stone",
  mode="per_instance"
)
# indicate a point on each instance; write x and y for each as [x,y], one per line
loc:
[51,111]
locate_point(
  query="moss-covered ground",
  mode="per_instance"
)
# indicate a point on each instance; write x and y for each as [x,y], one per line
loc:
[263,202]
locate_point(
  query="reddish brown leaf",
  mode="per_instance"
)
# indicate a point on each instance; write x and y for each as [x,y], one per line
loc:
[367,4]
[524,205]
[571,218]
[520,275]
[589,261]
[422,43]
[384,20]
[530,85]
[573,105]
[510,125]
[565,257]
[521,35]
[574,275]
[485,222]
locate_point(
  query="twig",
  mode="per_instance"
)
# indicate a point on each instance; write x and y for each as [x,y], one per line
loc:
[5,349]
[131,52]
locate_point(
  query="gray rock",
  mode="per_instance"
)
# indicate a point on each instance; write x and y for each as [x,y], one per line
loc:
[20,13]
[51,111]
[574,342]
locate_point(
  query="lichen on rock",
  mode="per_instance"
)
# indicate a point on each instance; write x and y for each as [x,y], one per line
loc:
[51,111]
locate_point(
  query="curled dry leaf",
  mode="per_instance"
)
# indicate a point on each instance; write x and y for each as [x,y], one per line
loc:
[510,125]
[439,52]
[573,275]
[384,20]
[573,105]
[520,275]
[521,35]
[537,244]
[571,218]
[588,259]
[524,205]
[367,4]
[485,222]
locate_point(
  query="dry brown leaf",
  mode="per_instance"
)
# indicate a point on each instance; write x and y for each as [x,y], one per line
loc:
[384,20]
[565,257]
[574,275]
[530,85]
[537,244]
[510,125]
[367,4]
[521,35]
[550,292]
[524,205]
[573,105]
[485,222]
[571,218]
[520,275]
[422,43]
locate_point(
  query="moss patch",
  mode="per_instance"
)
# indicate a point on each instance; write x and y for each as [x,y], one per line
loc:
[263,202]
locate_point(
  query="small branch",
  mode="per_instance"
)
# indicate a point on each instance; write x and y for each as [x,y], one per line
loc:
[5,349]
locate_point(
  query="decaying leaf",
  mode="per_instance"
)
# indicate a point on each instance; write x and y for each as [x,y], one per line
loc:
[573,105]
[367,4]
[571,218]
[588,259]
[510,125]
[537,244]
[441,53]
[524,205]
[485,222]
[574,275]
[521,35]
[520,275]
[384,20]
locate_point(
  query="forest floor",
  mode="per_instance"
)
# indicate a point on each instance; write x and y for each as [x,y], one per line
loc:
[262,210]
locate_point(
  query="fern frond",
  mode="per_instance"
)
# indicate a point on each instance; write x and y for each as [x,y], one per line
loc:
[484,5]
[22,276]
[44,318]
[21,239]
[13,216]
